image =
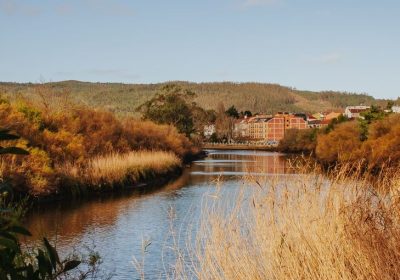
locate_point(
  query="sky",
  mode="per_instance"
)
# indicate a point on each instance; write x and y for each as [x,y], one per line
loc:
[346,45]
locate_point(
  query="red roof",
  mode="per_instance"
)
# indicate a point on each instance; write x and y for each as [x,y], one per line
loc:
[357,110]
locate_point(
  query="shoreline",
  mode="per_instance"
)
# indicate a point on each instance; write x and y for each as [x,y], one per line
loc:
[85,193]
[239,147]
[157,181]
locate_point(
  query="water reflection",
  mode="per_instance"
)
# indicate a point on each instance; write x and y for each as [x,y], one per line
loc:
[241,163]
[116,224]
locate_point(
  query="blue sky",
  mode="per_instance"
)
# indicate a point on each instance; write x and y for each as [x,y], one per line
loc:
[347,45]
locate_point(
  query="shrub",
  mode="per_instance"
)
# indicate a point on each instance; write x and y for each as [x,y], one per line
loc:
[383,144]
[341,144]
[299,140]
[75,137]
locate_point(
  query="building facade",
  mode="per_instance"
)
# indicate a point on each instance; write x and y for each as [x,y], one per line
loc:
[276,129]
[241,128]
[209,130]
[396,109]
[258,127]
[355,111]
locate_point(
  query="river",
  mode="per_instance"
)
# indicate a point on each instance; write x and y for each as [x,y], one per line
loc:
[117,226]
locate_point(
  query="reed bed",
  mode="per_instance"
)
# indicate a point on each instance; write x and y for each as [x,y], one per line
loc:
[298,227]
[117,169]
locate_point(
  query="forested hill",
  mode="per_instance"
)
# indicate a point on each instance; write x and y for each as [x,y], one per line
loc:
[123,99]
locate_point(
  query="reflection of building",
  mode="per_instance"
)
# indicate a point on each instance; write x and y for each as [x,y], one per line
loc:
[355,111]
[242,163]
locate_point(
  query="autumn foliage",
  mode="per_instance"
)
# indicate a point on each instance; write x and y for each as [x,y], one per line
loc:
[373,145]
[380,149]
[74,136]
[341,144]
[296,140]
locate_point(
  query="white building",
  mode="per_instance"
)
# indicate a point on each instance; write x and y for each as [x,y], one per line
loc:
[241,128]
[209,130]
[396,109]
[355,111]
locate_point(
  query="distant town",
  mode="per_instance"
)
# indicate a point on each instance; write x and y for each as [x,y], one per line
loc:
[270,129]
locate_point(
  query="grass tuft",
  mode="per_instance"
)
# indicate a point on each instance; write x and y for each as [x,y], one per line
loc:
[119,169]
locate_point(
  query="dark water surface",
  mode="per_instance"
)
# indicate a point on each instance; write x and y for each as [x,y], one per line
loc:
[116,226]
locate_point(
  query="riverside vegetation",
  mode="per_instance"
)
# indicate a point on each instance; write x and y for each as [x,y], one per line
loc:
[40,263]
[373,142]
[309,226]
[71,149]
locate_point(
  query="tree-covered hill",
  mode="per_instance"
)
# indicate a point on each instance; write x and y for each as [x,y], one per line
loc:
[123,99]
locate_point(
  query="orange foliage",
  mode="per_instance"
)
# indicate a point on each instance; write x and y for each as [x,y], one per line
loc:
[383,144]
[75,136]
[382,148]
[341,144]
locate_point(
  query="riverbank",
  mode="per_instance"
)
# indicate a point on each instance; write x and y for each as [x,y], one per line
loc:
[134,172]
[72,150]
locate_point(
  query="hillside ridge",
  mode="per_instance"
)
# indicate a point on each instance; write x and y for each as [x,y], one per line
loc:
[123,99]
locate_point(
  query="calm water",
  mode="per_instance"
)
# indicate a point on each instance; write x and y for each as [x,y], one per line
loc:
[117,226]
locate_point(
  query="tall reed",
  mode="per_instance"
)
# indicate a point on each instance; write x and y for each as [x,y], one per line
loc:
[119,168]
[299,227]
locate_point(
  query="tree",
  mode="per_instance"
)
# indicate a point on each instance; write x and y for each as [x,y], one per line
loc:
[373,114]
[170,106]
[247,113]
[339,145]
[201,118]
[232,112]
[299,140]
[389,105]
[223,123]
[334,122]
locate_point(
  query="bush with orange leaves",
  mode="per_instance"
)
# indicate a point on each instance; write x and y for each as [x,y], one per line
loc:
[56,138]
[380,149]
[341,144]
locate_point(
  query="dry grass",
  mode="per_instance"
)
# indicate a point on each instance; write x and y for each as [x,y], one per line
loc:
[299,227]
[119,168]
